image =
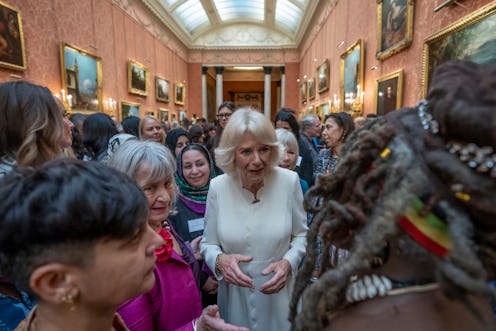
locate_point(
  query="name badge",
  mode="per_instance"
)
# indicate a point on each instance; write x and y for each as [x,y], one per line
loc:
[298,161]
[198,224]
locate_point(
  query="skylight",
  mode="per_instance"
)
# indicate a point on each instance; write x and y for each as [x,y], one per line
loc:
[288,14]
[193,15]
[240,9]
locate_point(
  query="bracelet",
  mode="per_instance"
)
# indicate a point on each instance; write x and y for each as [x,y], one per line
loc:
[218,268]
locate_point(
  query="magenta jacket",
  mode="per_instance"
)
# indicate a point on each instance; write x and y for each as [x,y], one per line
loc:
[172,304]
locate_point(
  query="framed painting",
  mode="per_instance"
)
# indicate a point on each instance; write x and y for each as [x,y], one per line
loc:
[311,88]
[81,74]
[161,89]
[163,115]
[388,92]
[248,99]
[351,74]
[12,48]
[470,38]
[323,72]
[303,92]
[129,109]
[137,78]
[394,26]
[179,93]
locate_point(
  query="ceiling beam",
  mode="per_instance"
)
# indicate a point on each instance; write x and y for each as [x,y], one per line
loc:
[270,12]
[211,11]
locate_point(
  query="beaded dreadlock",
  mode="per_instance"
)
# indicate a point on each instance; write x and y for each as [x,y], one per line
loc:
[383,167]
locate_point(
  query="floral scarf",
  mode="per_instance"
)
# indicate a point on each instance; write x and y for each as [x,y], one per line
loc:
[194,198]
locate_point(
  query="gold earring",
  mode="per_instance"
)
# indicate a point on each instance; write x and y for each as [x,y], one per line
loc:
[68,299]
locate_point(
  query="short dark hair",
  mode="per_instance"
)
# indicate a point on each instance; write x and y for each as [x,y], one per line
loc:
[59,212]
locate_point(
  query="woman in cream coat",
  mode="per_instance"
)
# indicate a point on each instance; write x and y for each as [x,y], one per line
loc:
[255,225]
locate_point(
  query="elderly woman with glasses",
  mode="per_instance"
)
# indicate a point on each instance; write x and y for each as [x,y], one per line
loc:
[255,225]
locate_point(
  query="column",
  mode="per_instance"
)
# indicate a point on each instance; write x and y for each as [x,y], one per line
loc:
[283,85]
[267,71]
[204,92]
[219,96]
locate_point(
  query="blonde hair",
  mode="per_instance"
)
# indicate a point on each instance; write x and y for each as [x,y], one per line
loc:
[142,124]
[245,120]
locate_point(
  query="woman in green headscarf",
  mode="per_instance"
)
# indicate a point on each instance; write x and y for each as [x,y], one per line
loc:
[195,169]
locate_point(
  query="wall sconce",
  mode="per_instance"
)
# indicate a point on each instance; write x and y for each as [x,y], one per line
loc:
[65,99]
[373,68]
[304,76]
[335,104]
[341,43]
[110,106]
[298,80]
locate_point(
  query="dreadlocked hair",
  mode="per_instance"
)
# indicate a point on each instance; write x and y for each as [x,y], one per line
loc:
[383,167]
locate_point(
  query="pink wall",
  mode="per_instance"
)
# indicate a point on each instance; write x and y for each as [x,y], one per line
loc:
[357,19]
[122,30]
[115,31]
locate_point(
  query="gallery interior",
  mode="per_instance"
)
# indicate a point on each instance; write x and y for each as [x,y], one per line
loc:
[182,58]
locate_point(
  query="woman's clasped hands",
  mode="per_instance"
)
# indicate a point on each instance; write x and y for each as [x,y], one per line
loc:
[228,266]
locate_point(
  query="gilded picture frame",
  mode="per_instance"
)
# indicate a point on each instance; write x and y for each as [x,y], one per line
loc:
[303,92]
[388,92]
[161,89]
[470,38]
[351,78]
[394,26]
[137,78]
[163,115]
[81,76]
[179,93]
[128,108]
[13,55]
[323,72]
[311,88]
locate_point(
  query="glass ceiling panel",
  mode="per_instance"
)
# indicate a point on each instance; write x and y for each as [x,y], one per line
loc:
[288,14]
[170,2]
[240,9]
[302,2]
[193,15]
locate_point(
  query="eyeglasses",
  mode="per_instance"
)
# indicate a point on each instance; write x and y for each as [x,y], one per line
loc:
[225,116]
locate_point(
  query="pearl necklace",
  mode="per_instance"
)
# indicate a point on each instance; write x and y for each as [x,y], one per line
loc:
[371,286]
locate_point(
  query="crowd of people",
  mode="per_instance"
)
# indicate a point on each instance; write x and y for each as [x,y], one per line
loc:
[300,223]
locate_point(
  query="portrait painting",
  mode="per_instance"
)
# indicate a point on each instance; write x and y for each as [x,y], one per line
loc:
[179,94]
[163,115]
[311,88]
[81,74]
[351,85]
[12,51]
[129,109]
[137,75]
[388,92]
[303,92]
[394,26]
[323,72]
[470,38]
[161,89]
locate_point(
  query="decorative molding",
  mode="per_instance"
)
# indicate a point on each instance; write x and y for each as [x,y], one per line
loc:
[243,35]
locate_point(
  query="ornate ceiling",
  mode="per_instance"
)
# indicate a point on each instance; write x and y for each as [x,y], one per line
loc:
[236,24]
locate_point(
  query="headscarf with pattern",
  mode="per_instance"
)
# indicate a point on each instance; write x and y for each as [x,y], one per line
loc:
[194,198]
